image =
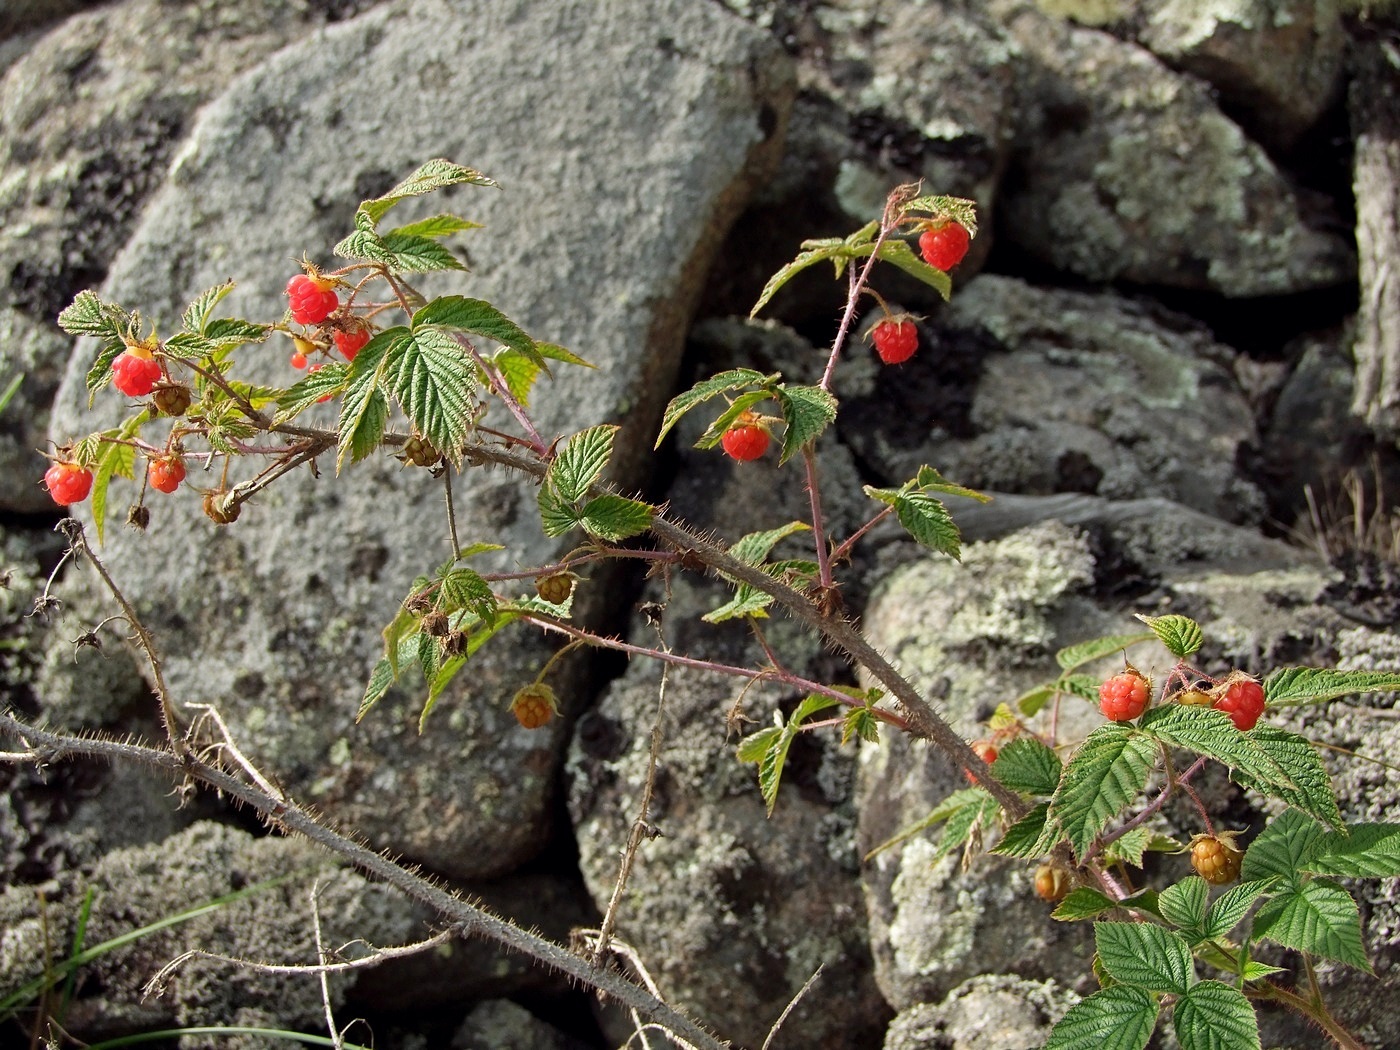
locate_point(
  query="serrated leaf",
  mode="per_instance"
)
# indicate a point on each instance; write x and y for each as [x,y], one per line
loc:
[1206,731]
[929,480]
[436,174]
[815,252]
[747,601]
[1032,701]
[1145,955]
[1283,848]
[436,226]
[807,411]
[1232,906]
[927,520]
[460,314]
[862,724]
[1117,1018]
[1180,634]
[1214,1016]
[1368,851]
[463,588]
[380,679]
[951,805]
[714,433]
[1129,848]
[555,352]
[703,391]
[407,253]
[431,376]
[1307,786]
[234,331]
[753,747]
[754,547]
[1319,918]
[580,463]
[615,518]
[1026,764]
[1313,685]
[366,245]
[1183,904]
[362,423]
[1083,903]
[519,373]
[328,380]
[188,346]
[961,825]
[89,315]
[1108,771]
[1030,837]
[1257,971]
[770,767]
[197,314]
[480,634]
[1082,686]
[900,254]
[1074,656]
[959,209]
[115,457]
[556,516]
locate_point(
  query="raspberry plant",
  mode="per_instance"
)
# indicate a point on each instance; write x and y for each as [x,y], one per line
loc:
[1082,811]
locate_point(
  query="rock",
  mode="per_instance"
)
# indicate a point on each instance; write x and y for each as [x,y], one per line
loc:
[499,1024]
[984,1013]
[89,118]
[636,199]
[1033,390]
[1277,65]
[21,16]
[1127,171]
[140,886]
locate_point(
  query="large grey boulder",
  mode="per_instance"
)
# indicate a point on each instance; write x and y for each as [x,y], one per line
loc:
[1126,170]
[983,1013]
[658,116]
[90,115]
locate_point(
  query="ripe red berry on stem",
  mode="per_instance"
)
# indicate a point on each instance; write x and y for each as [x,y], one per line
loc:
[1242,698]
[895,341]
[352,342]
[746,439]
[1124,696]
[944,247]
[68,483]
[166,473]
[135,372]
[986,751]
[312,299]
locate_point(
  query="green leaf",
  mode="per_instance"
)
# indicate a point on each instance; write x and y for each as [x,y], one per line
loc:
[1214,1016]
[1145,955]
[1108,771]
[329,379]
[1026,764]
[615,518]
[115,457]
[89,315]
[519,372]
[198,312]
[1030,837]
[1129,848]
[937,206]
[232,331]
[927,520]
[1257,971]
[463,588]
[1184,904]
[961,825]
[1313,685]
[555,352]
[900,254]
[1206,731]
[556,516]
[929,480]
[949,807]
[753,747]
[773,756]
[701,392]
[1117,1018]
[480,634]
[408,253]
[1305,784]
[460,314]
[365,245]
[1083,903]
[807,411]
[436,226]
[380,679]
[1368,851]
[1319,918]
[1283,848]
[818,251]
[860,723]
[747,601]
[1232,906]
[580,463]
[1180,634]
[434,175]
[754,547]
[1097,648]
[364,411]
[432,377]
[715,432]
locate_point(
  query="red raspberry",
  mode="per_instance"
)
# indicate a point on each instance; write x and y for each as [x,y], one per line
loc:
[1051,883]
[1242,698]
[312,299]
[534,706]
[895,341]
[166,473]
[986,751]
[68,483]
[1124,696]
[1215,858]
[746,439]
[944,247]
[352,342]
[135,372]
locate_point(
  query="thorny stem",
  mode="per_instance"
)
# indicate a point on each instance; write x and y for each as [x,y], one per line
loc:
[1312,1007]
[857,286]
[844,550]
[48,746]
[503,392]
[1156,804]
[809,459]
[72,530]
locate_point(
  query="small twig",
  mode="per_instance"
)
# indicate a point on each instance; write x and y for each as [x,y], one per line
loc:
[322,976]
[844,550]
[809,460]
[501,390]
[1156,804]
[451,514]
[231,748]
[792,1003]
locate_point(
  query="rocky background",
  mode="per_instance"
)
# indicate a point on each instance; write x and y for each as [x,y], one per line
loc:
[1179,323]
